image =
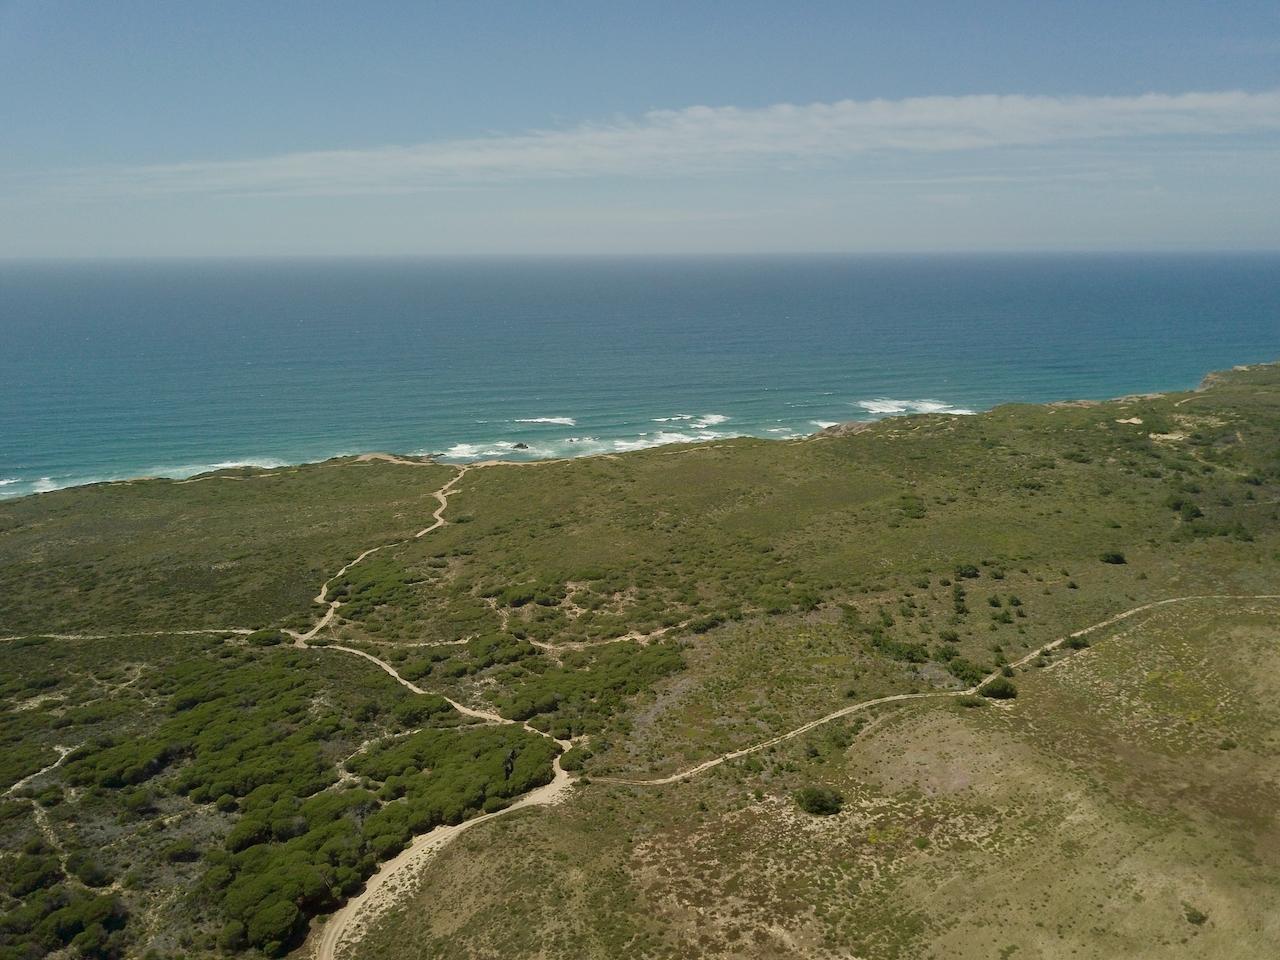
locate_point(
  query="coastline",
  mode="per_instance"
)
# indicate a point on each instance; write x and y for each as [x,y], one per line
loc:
[251,467]
[282,364]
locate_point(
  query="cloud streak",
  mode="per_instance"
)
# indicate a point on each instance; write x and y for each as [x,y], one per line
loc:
[698,141]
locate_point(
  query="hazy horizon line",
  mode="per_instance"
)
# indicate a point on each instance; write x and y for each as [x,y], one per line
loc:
[659,255]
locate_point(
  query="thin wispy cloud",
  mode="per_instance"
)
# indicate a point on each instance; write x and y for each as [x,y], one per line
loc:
[703,140]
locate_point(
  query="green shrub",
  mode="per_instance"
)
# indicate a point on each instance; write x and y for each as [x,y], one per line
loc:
[964,671]
[819,801]
[181,851]
[1113,556]
[999,688]
[575,758]
[1194,916]
[87,870]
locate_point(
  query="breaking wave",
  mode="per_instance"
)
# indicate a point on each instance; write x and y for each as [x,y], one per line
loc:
[887,407]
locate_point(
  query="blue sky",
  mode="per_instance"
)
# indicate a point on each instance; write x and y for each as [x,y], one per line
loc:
[147,129]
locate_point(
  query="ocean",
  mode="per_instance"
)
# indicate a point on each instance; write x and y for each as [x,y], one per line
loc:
[119,369]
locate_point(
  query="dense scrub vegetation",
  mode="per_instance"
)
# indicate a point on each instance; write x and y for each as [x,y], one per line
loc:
[240,767]
[578,696]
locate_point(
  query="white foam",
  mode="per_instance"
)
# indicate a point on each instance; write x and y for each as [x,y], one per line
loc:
[498,449]
[45,484]
[886,406]
[708,420]
[463,451]
[678,416]
[7,481]
[820,424]
[560,421]
[664,437]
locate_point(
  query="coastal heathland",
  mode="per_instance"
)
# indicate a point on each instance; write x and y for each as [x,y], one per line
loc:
[993,685]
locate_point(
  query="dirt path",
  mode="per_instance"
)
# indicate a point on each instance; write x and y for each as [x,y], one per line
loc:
[900,697]
[240,631]
[641,638]
[409,685]
[437,521]
[62,755]
[395,878]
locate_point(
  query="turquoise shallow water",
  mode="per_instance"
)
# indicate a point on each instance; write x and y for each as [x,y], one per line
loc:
[116,370]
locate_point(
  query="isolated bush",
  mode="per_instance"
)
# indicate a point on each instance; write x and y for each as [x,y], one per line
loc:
[181,851]
[819,801]
[1194,916]
[87,871]
[1113,556]
[999,688]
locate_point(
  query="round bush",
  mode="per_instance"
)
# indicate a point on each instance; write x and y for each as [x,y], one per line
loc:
[819,801]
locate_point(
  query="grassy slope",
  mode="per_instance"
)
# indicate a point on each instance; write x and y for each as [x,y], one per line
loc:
[791,579]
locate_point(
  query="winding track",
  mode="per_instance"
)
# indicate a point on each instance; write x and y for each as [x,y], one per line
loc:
[394,877]
[63,752]
[437,521]
[933,694]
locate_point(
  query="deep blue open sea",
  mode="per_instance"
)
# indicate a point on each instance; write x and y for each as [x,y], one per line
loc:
[114,370]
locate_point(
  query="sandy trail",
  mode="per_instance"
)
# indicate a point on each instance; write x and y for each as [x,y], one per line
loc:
[409,685]
[395,878]
[62,755]
[437,521]
[900,697]
[634,635]
[240,631]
